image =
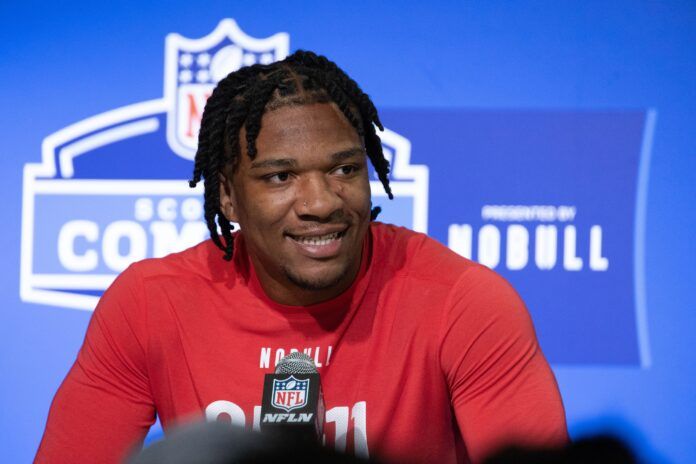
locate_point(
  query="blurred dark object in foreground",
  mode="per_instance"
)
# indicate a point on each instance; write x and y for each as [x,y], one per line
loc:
[220,443]
[600,449]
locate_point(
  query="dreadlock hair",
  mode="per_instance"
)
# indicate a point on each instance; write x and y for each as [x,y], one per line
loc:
[240,100]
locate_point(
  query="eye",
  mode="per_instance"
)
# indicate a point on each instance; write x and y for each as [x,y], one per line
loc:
[346,170]
[278,177]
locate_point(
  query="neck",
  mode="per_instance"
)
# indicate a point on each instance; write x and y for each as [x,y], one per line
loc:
[286,292]
[283,290]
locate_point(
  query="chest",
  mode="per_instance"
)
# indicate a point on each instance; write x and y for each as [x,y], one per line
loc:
[379,371]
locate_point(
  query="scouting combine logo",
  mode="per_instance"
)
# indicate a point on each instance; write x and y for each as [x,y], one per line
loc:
[112,189]
[290,393]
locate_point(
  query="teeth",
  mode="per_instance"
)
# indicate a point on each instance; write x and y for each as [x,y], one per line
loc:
[318,241]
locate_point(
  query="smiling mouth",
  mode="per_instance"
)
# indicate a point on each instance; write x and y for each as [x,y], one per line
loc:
[317,240]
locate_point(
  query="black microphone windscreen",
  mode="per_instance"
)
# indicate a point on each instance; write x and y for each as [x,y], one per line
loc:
[296,363]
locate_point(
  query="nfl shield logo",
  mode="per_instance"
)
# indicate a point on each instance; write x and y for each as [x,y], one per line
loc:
[290,393]
[194,66]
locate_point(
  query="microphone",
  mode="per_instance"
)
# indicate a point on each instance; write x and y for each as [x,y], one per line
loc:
[292,422]
[293,403]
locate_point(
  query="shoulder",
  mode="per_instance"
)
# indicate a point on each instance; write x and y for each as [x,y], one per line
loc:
[199,261]
[129,285]
[414,254]
[456,284]
[142,289]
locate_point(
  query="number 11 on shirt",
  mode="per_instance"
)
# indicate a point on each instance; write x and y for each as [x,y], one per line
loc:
[339,415]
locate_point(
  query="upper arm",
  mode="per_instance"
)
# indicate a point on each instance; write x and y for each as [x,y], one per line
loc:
[502,389]
[104,406]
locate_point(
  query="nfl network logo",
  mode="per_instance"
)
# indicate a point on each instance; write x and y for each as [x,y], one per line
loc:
[290,393]
[111,189]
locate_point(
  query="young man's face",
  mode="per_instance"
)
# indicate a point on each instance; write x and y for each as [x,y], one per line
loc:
[303,203]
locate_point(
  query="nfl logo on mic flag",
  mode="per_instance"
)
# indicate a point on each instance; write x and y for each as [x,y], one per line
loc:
[292,403]
[290,393]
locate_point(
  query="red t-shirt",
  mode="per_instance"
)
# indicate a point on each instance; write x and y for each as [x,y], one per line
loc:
[428,357]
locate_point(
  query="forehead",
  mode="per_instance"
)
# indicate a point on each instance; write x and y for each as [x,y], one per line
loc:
[295,130]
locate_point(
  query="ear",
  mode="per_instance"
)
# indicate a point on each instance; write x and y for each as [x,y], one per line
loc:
[228,201]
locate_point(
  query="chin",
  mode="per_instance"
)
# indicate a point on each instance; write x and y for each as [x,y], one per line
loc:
[318,280]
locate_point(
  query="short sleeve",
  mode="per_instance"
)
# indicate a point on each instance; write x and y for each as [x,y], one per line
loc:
[104,406]
[501,387]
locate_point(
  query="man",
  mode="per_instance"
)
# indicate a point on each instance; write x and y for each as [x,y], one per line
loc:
[424,356]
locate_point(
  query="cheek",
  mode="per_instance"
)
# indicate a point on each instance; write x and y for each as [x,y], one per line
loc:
[268,210]
[359,198]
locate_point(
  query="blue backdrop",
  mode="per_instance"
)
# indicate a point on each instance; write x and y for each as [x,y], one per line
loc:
[551,142]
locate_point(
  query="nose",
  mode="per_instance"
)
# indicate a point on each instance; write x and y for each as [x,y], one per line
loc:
[317,199]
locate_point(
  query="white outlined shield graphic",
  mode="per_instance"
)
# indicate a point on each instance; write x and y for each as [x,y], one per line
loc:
[290,393]
[409,184]
[194,66]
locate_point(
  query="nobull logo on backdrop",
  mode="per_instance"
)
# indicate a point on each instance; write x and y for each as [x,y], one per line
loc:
[555,202]
[112,189]
[525,225]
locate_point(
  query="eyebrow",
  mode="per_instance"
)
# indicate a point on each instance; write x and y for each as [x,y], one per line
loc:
[345,154]
[291,163]
[274,163]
